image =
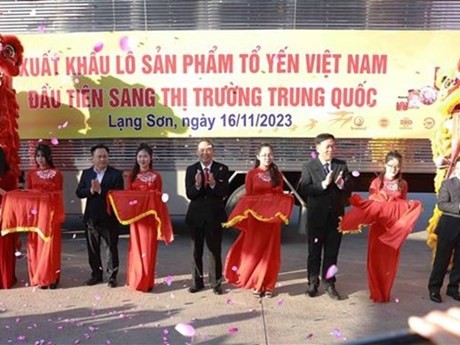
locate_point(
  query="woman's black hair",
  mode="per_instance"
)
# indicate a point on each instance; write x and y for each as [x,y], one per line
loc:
[393,155]
[272,169]
[45,150]
[142,147]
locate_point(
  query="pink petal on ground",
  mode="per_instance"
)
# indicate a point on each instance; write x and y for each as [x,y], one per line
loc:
[355,173]
[98,47]
[280,303]
[232,330]
[21,337]
[54,141]
[229,301]
[165,331]
[185,329]
[331,271]
[168,280]
[126,44]
[132,202]
[397,300]
[165,197]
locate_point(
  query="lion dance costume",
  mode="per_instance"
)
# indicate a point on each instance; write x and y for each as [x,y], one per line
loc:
[446,140]
[11,52]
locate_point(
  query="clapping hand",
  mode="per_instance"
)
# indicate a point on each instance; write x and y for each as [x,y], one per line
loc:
[95,186]
[198,179]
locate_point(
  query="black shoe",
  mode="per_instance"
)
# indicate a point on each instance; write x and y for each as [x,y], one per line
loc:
[93,281]
[193,289]
[43,287]
[332,292]
[217,290]
[435,297]
[54,285]
[112,283]
[454,294]
[312,290]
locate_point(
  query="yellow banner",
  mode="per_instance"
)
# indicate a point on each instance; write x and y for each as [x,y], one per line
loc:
[386,84]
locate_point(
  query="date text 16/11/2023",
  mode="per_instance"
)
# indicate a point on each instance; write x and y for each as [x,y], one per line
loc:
[235,120]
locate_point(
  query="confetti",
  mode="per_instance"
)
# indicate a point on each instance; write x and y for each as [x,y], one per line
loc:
[355,173]
[132,202]
[126,43]
[54,141]
[234,268]
[74,236]
[280,303]
[232,330]
[98,47]
[397,300]
[229,301]
[185,329]
[165,197]
[313,154]
[168,280]
[41,28]
[33,211]
[331,271]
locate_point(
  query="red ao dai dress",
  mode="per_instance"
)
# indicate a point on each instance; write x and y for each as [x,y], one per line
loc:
[254,260]
[44,257]
[142,250]
[392,218]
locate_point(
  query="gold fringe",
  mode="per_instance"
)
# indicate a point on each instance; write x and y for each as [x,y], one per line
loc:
[245,215]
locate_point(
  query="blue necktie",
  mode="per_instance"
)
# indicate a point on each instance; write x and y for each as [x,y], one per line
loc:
[326,168]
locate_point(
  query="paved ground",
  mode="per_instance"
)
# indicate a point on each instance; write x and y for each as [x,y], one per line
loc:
[77,314]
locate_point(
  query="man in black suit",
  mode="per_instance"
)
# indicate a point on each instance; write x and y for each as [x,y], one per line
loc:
[101,227]
[325,185]
[206,184]
[448,241]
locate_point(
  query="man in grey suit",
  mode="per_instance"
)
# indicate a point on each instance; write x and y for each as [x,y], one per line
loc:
[448,242]
[325,185]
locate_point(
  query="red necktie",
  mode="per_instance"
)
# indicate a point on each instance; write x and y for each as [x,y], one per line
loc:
[206,176]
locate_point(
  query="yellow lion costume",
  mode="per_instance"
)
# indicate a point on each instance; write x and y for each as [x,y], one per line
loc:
[445,143]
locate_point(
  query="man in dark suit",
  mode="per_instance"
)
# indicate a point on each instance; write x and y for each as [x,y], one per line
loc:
[448,241]
[325,185]
[206,185]
[101,227]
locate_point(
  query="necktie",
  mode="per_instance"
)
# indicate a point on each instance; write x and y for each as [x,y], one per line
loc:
[206,176]
[326,168]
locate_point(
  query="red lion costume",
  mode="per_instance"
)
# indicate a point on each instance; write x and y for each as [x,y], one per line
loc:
[11,52]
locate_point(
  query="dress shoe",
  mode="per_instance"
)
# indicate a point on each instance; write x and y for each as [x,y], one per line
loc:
[93,281]
[435,297]
[332,292]
[54,285]
[257,294]
[217,290]
[268,294]
[112,283]
[312,290]
[43,287]
[454,294]
[193,289]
